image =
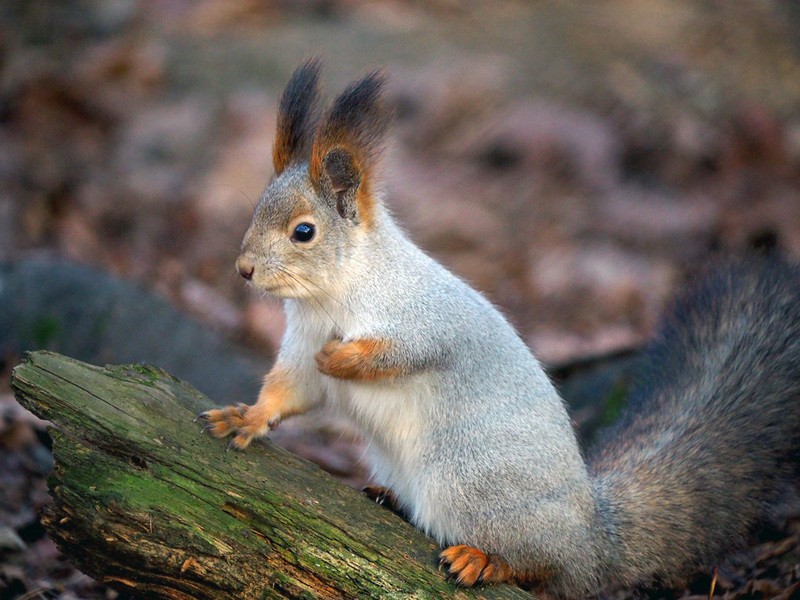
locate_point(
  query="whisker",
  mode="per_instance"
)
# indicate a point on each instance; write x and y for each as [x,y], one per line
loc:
[321,306]
[300,312]
[311,297]
[360,459]
[294,289]
[332,297]
[241,192]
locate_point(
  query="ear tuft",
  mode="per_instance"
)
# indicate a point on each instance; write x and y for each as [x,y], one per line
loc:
[349,142]
[297,115]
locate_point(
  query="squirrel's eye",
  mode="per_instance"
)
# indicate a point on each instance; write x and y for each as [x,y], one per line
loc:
[304,232]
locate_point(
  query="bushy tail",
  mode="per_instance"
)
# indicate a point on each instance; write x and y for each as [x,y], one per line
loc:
[712,434]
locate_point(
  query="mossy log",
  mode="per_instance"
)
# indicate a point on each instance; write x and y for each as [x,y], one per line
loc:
[147,504]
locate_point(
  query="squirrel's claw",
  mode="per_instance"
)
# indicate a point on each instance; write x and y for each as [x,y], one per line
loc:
[385,497]
[381,495]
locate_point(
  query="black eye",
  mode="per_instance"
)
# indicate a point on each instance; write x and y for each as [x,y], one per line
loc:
[304,232]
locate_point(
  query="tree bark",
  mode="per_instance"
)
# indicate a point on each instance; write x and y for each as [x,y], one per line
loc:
[147,504]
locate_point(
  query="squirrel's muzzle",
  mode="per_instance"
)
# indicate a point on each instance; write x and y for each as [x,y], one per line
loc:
[245,267]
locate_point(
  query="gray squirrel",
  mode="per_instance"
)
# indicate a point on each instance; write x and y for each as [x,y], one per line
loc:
[466,431]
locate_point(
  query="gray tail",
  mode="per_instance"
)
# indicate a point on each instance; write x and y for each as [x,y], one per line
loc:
[711,436]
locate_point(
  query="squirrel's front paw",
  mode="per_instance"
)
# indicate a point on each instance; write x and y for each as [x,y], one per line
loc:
[338,359]
[246,422]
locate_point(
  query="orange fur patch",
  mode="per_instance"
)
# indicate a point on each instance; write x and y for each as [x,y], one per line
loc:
[360,359]
[318,152]
[365,202]
[281,151]
[224,421]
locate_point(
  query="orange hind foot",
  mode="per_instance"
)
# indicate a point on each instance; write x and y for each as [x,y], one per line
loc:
[469,566]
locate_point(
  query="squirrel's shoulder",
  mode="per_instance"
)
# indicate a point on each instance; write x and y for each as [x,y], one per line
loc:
[416,284]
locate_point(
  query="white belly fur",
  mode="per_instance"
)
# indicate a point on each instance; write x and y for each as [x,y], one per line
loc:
[392,418]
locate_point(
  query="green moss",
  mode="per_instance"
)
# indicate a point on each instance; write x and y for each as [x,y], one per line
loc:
[280,585]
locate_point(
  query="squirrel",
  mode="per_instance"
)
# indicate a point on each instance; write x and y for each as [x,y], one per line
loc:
[465,429]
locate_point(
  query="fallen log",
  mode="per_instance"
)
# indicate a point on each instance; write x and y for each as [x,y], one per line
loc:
[145,503]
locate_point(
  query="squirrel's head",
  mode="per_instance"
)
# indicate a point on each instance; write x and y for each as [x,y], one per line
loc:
[321,202]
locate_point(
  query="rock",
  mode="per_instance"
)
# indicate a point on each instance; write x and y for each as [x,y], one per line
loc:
[91,315]
[41,459]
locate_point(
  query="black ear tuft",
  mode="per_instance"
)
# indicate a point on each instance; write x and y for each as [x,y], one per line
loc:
[349,143]
[297,115]
[360,117]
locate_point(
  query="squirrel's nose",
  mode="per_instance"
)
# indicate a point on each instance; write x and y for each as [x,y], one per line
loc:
[245,267]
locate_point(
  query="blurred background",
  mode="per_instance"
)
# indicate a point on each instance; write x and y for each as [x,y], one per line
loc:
[574,161]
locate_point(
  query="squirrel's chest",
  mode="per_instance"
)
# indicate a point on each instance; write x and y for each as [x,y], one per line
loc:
[388,412]
[391,414]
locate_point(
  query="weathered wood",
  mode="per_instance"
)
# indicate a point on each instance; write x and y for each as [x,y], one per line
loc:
[146,503]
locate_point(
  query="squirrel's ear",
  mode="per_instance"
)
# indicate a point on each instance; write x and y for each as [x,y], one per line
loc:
[297,116]
[347,148]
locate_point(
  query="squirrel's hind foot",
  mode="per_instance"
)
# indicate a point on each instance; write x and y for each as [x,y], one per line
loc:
[470,566]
